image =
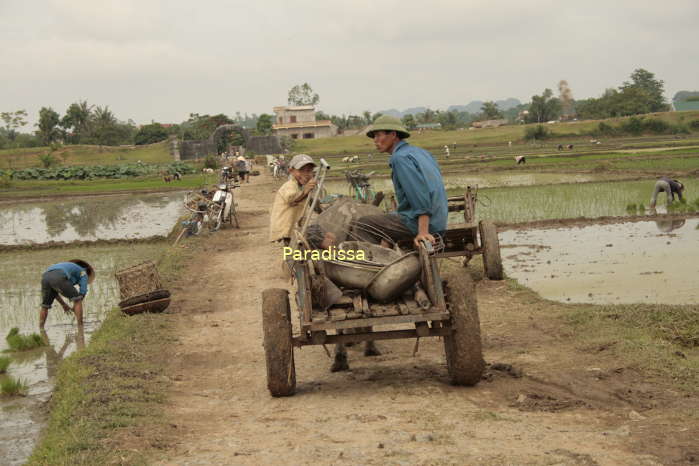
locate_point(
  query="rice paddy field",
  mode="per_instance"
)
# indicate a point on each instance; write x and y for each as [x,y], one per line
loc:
[22,417]
[612,178]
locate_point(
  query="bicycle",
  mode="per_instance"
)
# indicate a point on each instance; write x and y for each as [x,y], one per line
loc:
[360,188]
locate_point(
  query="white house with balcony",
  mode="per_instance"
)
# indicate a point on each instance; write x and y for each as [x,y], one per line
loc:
[299,122]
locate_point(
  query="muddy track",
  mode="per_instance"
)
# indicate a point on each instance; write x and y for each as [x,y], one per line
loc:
[544,399]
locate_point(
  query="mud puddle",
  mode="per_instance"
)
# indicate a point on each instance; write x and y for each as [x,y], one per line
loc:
[90,218]
[623,263]
[21,418]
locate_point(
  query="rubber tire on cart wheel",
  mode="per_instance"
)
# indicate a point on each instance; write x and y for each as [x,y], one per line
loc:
[279,351]
[463,349]
[492,262]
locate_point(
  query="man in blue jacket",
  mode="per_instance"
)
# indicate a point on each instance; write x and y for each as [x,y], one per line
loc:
[60,279]
[422,200]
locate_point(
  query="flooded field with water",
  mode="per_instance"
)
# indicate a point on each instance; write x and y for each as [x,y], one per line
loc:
[489,180]
[568,196]
[89,218]
[623,263]
[20,297]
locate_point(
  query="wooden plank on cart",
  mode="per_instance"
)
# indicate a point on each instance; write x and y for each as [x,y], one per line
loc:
[398,319]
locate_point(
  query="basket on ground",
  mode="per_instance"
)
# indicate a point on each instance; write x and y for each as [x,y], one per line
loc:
[141,289]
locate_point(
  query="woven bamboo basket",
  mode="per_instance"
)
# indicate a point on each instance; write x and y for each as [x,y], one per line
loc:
[138,280]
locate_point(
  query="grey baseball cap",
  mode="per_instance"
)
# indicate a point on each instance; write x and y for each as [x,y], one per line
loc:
[301,160]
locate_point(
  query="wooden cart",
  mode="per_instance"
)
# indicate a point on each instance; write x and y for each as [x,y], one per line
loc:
[462,239]
[450,312]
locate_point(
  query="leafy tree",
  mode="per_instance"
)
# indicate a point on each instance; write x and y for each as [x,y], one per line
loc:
[201,126]
[149,134]
[369,118]
[428,116]
[409,122]
[287,144]
[490,111]
[303,95]
[13,121]
[77,118]
[320,116]
[644,81]
[264,124]
[544,107]
[48,125]
[447,120]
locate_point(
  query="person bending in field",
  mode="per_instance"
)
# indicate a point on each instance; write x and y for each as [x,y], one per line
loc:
[289,204]
[669,187]
[61,279]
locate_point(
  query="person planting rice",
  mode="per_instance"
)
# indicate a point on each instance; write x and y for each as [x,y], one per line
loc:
[289,204]
[669,187]
[61,279]
[419,189]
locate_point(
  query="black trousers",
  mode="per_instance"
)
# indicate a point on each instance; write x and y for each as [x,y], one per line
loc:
[374,228]
[54,282]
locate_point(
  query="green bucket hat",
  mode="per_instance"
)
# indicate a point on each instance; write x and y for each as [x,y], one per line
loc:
[388,123]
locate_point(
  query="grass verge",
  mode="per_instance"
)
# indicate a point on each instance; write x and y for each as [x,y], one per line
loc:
[662,340]
[114,388]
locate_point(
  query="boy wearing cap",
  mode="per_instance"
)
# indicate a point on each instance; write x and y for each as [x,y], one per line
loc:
[60,279]
[289,203]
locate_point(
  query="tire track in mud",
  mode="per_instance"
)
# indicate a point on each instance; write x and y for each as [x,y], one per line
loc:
[549,408]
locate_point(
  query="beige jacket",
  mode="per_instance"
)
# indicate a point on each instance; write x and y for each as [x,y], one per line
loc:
[284,216]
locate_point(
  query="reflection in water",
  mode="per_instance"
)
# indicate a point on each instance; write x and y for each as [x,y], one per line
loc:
[666,226]
[53,357]
[105,217]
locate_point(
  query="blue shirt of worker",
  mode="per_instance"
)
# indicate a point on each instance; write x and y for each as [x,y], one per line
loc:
[75,274]
[419,188]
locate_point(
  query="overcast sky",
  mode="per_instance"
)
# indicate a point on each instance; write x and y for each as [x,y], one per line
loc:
[160,60]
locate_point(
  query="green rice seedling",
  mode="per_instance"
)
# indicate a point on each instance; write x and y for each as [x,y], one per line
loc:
[631,208]
[9,386]
[4,362]
[18,342]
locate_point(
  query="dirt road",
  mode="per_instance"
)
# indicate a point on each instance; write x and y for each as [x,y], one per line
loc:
[558,404]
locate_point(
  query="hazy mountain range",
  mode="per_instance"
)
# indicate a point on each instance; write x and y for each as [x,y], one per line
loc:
[472,107]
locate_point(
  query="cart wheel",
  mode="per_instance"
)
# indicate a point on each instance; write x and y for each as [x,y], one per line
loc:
[279,352]
[465,362]
[491,250]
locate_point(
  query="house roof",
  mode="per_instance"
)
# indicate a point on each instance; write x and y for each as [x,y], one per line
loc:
[294,109]
[303,124]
